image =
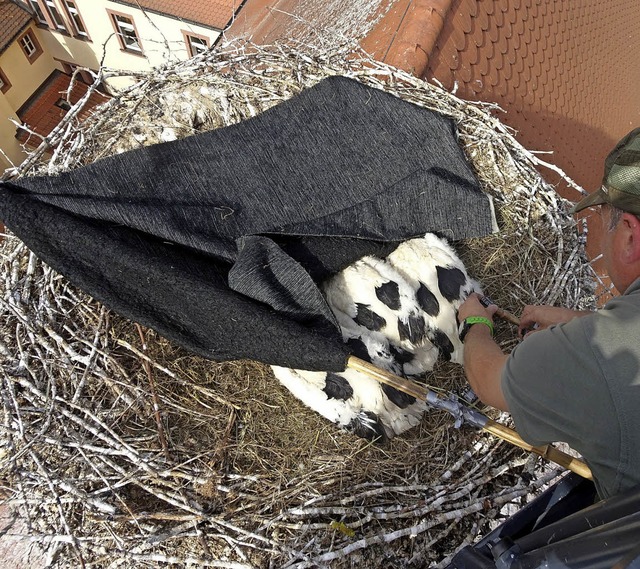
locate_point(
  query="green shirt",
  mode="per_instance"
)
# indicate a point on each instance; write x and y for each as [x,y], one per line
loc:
[580,383]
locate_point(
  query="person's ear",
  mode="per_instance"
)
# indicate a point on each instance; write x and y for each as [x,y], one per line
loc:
[631,229]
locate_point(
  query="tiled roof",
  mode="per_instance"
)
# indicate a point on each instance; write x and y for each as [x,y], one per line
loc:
[40,112]
[13,19]
[212,13]
[407,32]
[567,72]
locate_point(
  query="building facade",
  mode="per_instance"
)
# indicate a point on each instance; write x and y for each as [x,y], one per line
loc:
[43,42]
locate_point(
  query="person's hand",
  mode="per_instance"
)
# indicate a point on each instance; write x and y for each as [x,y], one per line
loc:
[473,307]
[539,317]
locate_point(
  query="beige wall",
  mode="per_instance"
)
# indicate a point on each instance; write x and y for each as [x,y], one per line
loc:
[11,151]
[161,38]
[25,78]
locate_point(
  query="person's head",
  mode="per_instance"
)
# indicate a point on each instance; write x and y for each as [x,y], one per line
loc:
[619,196]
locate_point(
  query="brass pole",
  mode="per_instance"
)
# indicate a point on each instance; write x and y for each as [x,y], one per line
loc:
[505,433]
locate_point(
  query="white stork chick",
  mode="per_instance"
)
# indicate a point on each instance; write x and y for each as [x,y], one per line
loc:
[399,313]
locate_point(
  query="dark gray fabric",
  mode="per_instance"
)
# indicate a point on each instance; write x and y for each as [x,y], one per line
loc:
[309,186]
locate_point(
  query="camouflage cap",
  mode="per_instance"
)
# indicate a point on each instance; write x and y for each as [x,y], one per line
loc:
[621,182]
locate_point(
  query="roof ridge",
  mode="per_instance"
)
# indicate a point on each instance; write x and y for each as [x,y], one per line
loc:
[416,33]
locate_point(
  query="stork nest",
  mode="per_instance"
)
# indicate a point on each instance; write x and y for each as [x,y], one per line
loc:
[121,450]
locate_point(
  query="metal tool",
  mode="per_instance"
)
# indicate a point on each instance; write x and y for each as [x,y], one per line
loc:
[500,313]
[464,414]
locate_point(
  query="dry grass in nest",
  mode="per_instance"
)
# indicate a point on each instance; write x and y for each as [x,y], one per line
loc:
[124,451]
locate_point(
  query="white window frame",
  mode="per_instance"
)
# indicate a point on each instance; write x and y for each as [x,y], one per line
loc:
[56,15]
[76,19]
[200,45]
[39,12]
[127,26]
[28,45]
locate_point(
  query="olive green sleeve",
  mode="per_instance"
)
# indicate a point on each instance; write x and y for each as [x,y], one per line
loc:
[552,384]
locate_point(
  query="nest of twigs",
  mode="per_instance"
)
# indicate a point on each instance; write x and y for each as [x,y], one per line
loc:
[122,450]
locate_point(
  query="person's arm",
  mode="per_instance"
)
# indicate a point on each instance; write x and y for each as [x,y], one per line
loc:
[483,358]
[539,317]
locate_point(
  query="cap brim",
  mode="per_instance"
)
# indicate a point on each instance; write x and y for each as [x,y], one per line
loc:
[596,198]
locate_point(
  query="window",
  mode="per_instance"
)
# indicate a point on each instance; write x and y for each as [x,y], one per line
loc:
[75,18]
[70,68]
[63,104]
[4,82]
[56,16]
[126,31]
[196,44]
[37,9]
[30,46]
[48,14]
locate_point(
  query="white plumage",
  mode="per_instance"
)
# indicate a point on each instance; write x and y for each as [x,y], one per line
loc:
[399,313]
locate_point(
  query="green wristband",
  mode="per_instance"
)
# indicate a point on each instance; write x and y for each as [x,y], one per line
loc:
[480,320]
[470,321]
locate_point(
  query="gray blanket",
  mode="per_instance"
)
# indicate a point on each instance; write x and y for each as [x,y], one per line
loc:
[218,241]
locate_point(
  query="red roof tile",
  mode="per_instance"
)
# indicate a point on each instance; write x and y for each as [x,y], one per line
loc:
[571,66]
[565,71]
[41,114]
[13,19]
[212,13]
